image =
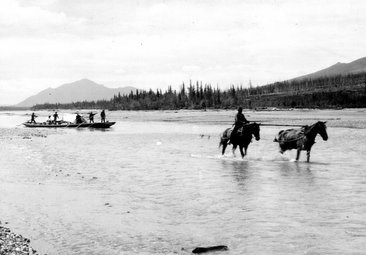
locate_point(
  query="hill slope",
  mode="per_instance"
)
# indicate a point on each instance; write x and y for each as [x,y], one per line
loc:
[354,67]
[82,90]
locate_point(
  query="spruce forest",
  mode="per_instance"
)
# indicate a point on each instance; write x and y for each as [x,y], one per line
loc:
[327,92]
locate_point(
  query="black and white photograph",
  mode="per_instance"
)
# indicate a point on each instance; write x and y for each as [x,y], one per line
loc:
[138,127]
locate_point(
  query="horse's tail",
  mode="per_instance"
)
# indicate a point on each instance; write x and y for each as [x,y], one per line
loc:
[223,136]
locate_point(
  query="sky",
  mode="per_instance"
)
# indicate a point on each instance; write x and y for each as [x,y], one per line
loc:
[154,44]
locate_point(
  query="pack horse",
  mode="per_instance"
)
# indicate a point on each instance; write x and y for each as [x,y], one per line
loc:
[242,138]
[301,139]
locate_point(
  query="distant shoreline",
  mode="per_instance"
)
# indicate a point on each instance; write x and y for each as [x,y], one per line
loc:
[15,108]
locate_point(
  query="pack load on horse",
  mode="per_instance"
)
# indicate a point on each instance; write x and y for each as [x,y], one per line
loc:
[242,138]
[301,139]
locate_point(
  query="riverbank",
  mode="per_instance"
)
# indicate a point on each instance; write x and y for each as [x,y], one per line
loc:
[12,243]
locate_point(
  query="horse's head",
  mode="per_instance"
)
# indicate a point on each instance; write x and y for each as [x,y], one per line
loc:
[256,130]
[322,130]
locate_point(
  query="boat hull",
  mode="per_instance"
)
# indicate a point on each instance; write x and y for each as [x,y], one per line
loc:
[70,125]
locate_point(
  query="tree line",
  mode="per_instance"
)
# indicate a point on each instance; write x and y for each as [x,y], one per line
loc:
[326,92]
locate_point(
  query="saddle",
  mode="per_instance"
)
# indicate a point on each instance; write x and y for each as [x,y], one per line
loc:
[238,131]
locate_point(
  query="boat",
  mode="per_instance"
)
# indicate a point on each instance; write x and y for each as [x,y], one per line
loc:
[66,124]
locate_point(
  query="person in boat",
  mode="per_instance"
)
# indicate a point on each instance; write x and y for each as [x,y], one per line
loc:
[49,121]
[240,121]
[78,119]
[91,117]
[33,118]
[102,116]
[55,117]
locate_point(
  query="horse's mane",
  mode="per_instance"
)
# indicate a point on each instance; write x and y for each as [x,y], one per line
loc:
[248,127]
[252,124]
[307,128]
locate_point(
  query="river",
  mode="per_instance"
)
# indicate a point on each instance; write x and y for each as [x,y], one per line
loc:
[155,183]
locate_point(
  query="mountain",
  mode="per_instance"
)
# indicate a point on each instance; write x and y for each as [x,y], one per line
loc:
[354,67]
[82,90]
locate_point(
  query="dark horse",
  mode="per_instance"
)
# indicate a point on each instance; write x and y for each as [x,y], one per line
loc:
[243,138]
[301,139]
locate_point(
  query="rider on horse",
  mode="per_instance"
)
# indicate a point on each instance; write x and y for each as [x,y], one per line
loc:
[240,121]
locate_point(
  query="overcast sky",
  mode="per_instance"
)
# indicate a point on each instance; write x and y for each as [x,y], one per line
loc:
[151,44]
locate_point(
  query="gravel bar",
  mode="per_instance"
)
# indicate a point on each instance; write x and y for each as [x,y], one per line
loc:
[14,244]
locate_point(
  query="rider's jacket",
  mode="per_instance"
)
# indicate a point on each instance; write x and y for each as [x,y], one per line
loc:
[240,119]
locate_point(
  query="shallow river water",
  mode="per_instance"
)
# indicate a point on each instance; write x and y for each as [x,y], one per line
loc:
[155,183]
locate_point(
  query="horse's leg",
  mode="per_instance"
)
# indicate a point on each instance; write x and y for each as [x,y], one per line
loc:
[233,150]
[224,145]
[298,154]
[245,149]
[308,156]
[241,151]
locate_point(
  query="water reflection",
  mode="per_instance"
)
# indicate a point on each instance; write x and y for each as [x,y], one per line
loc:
[94,129]
[290,167]
[239,170]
